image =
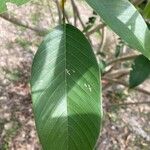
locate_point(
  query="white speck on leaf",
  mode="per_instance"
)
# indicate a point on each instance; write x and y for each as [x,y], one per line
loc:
[73,71]
[88,86]
[68,72]
[130,27]
[85,85]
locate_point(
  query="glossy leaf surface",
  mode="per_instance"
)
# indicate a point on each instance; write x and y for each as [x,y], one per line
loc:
[140,71]
[125,20]
[66,91]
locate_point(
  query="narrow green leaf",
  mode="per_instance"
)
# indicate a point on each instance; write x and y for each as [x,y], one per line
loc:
[66,91]
[3,7]
[140,71]
[125,20]
[147,10]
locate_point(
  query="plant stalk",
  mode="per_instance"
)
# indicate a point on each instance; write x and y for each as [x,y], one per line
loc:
[63,10]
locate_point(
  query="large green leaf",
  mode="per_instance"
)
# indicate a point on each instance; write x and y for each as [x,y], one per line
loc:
[66,91]
[140,71]
[3,7]
[125,20]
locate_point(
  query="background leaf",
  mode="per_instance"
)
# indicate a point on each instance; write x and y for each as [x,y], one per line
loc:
[147,10]
[66,91]
[125,20]
[3,7]
[140,71]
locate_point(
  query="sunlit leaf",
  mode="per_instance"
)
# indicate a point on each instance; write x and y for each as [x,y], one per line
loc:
[66,91]
[126,21]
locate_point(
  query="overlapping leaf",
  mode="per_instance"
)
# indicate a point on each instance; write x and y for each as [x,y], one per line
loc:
[147,10]
[3,7]
[125,20]
[140,71]
[66,91]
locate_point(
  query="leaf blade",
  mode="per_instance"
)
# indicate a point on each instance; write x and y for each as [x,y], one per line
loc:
[124,19]
[140,71]
[65,69]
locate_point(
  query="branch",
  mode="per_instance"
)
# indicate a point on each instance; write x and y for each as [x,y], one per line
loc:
[127,104]
[126,85]
[137,2]
[16,21]
[78,14]
[124,58]
[117,73]
[74,13]
[58,10]
[61,12]
[67,18]
[103,40]
[98,27]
